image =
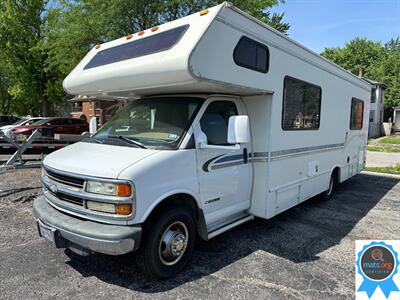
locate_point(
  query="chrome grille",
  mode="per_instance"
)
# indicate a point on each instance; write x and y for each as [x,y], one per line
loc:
[65,179]
[68,198]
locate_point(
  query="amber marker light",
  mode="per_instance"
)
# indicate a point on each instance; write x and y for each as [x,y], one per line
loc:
[203,12]
[140,33]
[97,46]
[129,36]
[154,28]
[123,209]
[124,190]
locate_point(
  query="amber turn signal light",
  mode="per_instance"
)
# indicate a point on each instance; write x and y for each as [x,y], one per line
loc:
[123,209]
[203,12]
[124,190]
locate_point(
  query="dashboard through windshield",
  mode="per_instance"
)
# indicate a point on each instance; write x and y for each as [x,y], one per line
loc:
[156,123]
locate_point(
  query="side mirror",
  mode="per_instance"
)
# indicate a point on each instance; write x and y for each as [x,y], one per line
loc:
[238,130]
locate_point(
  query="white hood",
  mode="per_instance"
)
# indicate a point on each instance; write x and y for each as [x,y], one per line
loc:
[106,161]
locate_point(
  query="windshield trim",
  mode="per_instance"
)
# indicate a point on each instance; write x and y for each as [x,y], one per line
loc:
[190,122]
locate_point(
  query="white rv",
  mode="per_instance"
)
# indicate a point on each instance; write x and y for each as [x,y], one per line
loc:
[226,119]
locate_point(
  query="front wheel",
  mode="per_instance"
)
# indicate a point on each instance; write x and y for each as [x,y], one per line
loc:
[169,243]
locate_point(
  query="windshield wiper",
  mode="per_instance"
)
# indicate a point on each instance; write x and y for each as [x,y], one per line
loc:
[95,140]
[128,140]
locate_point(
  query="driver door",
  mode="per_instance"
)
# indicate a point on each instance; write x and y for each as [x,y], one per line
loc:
[225,174]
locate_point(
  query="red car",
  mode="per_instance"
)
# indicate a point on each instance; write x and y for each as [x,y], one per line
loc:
[55,125]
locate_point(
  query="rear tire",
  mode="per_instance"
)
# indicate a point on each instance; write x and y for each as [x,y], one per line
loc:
[168,243]
[332,186]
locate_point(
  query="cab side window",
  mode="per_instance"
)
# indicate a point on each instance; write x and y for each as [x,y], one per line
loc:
[214,122]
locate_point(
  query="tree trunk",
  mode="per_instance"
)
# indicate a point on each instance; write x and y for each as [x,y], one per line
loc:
[45,106]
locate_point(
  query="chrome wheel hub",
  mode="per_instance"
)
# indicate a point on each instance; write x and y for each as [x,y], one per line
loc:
[173,243]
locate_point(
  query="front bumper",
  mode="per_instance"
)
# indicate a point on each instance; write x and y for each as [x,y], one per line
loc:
[71,231]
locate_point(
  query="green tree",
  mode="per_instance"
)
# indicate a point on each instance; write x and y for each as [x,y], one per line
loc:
[388,71]
[20,32]
[379,63]
[357,54]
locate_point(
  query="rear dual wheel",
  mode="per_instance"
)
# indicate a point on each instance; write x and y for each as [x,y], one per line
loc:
[333,182]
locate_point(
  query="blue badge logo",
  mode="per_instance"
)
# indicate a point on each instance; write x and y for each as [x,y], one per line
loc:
[377,263]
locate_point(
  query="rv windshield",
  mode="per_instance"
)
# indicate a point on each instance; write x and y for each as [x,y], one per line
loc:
[156,123]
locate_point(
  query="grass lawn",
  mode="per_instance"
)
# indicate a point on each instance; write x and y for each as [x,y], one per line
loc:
[390,140]
[383,148]
[386,144]
[389,170]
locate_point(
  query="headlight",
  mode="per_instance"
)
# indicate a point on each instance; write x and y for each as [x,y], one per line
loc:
[109,188]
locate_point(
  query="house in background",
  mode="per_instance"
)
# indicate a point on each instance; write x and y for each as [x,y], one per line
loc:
[376,108]
[85,109]
[396,119]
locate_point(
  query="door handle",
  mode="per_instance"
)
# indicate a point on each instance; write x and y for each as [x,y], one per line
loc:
[245,156]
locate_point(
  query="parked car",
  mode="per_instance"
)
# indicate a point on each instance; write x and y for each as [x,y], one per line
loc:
[23,122]
[8,120]
[55,125]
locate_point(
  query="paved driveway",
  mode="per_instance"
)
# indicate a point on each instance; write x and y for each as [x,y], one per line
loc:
[304,253]
[382,159]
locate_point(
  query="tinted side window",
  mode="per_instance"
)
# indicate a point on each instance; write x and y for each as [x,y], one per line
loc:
[214,122]
[67,122]
[145,46]
[373,95]
[56,122]
[301,105]
[252,55]
[357,114]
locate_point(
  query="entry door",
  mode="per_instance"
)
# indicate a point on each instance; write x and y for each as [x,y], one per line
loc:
[225,175]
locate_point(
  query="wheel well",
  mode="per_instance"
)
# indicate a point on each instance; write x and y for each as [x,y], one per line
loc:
[181,200]
[336,173]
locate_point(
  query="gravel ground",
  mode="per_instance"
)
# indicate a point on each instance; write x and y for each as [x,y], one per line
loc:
[304,253]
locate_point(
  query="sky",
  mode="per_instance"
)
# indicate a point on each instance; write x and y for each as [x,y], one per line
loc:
[318,24]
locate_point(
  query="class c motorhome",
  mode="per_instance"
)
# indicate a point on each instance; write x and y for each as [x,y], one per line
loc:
[225,119]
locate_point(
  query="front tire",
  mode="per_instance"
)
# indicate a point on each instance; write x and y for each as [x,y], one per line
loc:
[169,243]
